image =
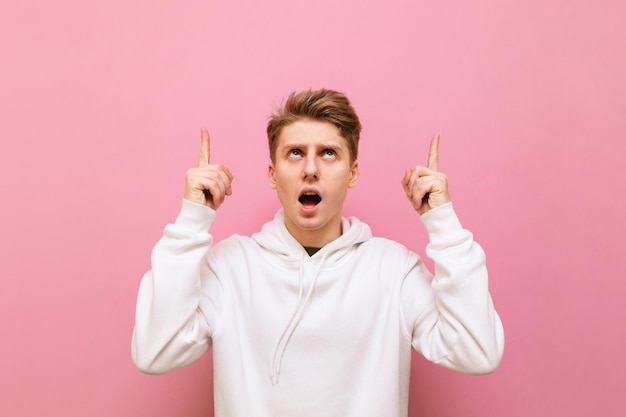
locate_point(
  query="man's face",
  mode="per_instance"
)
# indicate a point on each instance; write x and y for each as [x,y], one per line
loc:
[311,173]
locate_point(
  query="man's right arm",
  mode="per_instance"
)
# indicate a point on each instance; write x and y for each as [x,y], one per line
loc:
[171,330]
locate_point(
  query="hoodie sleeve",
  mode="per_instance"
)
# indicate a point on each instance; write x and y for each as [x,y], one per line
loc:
[172,319]
[453,320]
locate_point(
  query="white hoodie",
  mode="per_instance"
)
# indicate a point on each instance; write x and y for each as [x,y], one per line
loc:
[326,335]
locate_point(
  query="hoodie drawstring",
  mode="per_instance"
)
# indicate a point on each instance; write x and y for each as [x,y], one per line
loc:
[283,341]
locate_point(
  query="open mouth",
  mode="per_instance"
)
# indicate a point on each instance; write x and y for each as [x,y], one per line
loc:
[309,199]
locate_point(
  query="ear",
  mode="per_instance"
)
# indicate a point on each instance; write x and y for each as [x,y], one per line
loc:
[354,174]
[271,175]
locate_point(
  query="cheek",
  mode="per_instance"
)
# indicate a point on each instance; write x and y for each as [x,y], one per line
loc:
[282,183]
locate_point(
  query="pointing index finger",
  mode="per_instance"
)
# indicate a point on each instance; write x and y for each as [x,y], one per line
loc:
[205,148]
[433,153]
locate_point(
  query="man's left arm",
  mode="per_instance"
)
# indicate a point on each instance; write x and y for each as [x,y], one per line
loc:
[458,327]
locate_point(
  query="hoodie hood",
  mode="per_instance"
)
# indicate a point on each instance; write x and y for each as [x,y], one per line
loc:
[275,237]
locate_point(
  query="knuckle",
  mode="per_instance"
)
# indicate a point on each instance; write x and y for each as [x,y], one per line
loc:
[191,172]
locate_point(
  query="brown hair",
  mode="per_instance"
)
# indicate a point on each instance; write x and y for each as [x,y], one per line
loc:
[323,105]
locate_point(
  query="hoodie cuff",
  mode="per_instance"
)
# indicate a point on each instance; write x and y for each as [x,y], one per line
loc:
[195,217]
[442,225]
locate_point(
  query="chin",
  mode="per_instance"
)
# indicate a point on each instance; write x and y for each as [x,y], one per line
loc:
[309,224]
[306,223]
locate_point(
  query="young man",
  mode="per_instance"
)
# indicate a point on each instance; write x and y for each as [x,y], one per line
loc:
[312,316]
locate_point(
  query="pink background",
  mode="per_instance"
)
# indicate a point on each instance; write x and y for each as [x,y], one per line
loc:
[101,104]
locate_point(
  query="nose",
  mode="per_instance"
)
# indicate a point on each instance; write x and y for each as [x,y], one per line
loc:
[310,168]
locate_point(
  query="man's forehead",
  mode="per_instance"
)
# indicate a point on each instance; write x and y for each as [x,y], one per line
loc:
[311,132]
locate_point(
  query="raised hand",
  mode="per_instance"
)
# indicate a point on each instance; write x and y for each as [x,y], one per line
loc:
[208,184]
[426,187]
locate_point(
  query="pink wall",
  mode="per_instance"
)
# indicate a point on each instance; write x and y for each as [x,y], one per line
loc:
[100,109]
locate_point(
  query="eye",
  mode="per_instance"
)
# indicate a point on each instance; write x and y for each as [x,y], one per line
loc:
[329,154]
[295,153]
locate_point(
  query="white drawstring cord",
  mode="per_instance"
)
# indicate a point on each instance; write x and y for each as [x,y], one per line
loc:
[281,345]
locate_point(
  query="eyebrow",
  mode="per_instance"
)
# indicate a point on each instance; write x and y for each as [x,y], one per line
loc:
[334,147]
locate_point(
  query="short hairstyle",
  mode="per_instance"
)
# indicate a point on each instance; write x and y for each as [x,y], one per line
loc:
[322,105]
